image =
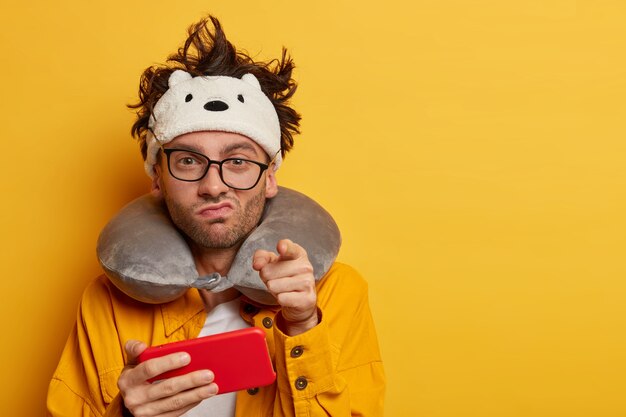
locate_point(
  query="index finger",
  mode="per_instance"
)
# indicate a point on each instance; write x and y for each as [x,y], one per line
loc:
[156,366]
[261,258]
[289,250]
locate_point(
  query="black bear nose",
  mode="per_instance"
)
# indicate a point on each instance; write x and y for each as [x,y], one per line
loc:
[216,105]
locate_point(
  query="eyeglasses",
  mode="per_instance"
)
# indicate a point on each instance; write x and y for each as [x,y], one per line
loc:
[236,173]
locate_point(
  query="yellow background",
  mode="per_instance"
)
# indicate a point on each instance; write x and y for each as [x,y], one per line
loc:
[472,153]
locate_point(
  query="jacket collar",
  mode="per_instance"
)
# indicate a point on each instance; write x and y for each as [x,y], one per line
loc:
[178,312]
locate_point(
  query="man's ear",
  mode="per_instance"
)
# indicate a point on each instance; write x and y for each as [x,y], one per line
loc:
[155,186]
[271,185]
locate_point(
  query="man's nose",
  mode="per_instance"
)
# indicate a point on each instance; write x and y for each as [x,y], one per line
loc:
[211,184]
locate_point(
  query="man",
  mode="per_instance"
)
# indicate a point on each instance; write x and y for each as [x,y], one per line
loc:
[214,170]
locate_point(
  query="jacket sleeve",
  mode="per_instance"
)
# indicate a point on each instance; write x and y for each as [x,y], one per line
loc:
[64,397]
[334,369]
[72,393]
[81,386]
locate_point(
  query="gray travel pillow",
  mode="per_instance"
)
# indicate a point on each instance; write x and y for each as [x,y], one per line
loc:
[146,257]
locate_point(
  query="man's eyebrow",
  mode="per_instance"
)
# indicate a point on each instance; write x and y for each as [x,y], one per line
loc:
[186,148]
[242,146]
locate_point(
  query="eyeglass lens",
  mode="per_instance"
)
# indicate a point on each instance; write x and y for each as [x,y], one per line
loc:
[235,172]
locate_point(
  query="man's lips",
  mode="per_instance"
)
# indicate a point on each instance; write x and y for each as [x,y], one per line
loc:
[212,211]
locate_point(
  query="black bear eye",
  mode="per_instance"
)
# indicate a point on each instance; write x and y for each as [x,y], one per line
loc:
[188,98]
[240,98]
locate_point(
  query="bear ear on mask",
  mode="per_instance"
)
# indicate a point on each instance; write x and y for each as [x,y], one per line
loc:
[145,256]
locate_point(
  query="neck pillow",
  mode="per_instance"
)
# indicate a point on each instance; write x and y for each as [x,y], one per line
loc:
[145,256]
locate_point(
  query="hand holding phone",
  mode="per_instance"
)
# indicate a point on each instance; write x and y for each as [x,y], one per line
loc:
[239,359]
[174,396]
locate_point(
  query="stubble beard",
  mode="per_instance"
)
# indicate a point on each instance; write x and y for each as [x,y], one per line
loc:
[216,234]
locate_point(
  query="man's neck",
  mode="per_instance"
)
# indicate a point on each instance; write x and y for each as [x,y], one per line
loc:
[209,261]
[213,299]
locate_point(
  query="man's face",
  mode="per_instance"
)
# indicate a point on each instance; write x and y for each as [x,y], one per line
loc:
[210,213]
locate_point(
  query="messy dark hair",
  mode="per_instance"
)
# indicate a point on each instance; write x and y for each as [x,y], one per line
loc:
[207,52]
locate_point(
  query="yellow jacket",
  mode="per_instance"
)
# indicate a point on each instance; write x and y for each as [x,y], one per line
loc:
[341,360]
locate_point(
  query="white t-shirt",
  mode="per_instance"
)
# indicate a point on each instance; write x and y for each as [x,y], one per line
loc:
[224,318]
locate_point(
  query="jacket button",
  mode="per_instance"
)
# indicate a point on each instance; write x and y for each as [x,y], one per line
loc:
[301,383]
[253,391]
[297,352]
[267,322]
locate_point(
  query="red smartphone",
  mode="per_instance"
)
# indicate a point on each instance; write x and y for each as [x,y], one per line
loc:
[239,359]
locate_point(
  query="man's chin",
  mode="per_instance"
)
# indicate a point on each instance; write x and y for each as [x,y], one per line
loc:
[215,237]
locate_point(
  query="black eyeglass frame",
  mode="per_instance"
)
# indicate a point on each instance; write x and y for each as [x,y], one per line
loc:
[169,151]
